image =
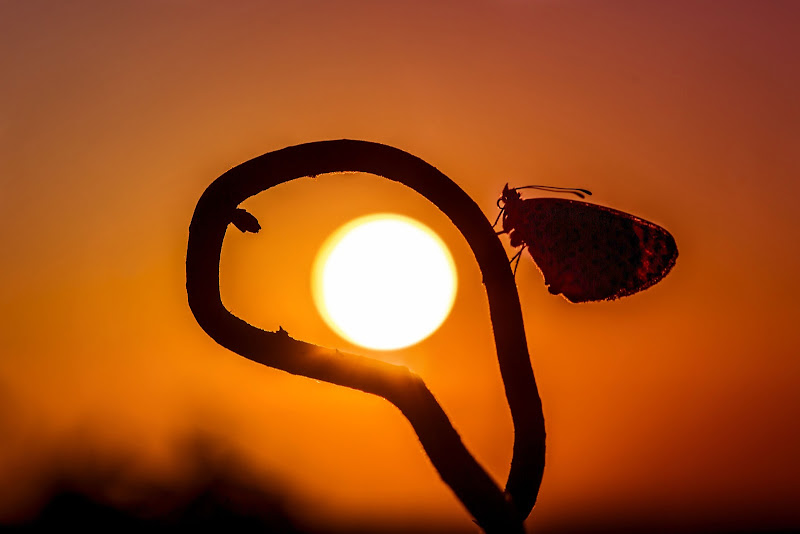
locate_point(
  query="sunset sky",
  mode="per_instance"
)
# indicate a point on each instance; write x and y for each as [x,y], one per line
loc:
[673,410]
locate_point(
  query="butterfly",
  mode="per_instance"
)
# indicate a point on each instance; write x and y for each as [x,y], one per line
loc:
[586,252]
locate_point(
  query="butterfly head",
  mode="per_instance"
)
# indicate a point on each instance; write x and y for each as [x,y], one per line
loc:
[507,203]
[509,198]
[509,195]
[510,203]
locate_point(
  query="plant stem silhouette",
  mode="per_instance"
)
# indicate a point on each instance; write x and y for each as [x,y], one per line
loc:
[493,509]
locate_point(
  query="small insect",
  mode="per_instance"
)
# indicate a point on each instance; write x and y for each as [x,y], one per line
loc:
[586,252]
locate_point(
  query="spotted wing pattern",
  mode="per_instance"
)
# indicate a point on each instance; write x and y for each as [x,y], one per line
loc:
[588,252]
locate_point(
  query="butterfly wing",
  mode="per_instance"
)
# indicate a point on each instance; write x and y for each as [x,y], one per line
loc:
[588,252]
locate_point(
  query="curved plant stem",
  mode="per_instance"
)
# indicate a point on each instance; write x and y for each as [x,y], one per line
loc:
[493,509]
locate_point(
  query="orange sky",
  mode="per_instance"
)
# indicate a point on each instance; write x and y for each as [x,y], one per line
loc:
[673,408]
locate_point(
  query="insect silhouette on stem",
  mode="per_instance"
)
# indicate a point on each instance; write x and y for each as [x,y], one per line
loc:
[586,252]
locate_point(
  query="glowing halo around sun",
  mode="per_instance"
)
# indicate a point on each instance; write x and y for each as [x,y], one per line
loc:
[384,281]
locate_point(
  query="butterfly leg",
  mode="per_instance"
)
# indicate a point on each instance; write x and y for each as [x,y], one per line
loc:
[497,220]
[516,257]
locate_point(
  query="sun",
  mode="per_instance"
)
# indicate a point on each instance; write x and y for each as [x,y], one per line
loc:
[384,281]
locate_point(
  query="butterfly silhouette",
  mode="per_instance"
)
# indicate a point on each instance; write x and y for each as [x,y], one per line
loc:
[586,252]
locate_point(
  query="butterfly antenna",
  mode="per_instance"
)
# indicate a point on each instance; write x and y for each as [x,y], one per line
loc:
[577,191]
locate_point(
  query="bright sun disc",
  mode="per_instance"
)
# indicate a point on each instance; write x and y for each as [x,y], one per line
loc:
[384,281]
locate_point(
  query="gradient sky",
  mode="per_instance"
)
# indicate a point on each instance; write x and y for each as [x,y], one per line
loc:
[676,408]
